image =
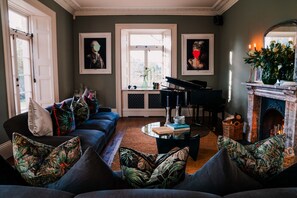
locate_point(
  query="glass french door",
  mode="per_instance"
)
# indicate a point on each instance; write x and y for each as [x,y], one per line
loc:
[22,71]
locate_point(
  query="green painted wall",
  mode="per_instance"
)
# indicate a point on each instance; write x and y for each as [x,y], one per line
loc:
[3,96]
[245,23]
[105,84]
[65,61]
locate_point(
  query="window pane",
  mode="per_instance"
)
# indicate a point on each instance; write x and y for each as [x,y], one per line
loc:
[155,69]
[145,39]
[136,68]
[24,73]
[17,21]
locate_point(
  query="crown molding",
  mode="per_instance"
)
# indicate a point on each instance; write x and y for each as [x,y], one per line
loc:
[76,10]
[223,5]
[67,5]
[146,11]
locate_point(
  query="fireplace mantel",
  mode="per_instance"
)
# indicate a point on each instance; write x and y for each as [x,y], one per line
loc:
[279,92]
[287,93]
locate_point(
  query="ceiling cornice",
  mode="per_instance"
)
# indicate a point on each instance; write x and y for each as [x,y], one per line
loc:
[76,10]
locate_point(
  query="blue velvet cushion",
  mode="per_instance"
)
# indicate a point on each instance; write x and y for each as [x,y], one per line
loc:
[90,138]
[105,126]
[146,193]
[106,116]
[219,176]
[90,173]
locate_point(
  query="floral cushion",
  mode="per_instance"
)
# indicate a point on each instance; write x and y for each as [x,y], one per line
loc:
[63,119]
[41,164]
[93,104]
[80,109]
[142,170]
[260,160]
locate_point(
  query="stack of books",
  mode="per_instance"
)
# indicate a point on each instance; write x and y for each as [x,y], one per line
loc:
[163,130]
[179,128]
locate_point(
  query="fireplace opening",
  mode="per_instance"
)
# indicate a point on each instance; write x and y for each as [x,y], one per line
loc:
[272,124]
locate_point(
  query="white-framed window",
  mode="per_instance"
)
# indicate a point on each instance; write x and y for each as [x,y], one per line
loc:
[30,54]
[21,56]
[146,57]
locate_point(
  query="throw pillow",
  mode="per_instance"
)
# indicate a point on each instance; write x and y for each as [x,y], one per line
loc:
[142,170]
[93,104]
[219,175]
[262,160]
[90,173]
[10,176]
[63,119]
[39,120]
[80,109]
[41,164]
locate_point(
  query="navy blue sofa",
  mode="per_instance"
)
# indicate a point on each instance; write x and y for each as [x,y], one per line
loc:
[28,192]
[94,132]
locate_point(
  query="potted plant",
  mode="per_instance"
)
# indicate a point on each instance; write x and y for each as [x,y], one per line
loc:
[276,61]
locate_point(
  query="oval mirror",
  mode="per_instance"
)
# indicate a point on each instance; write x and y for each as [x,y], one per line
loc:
[282,33]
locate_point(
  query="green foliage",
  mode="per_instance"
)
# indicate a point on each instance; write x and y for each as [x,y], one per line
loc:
[279,58]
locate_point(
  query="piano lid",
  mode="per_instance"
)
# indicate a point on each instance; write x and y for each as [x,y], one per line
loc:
[183,83]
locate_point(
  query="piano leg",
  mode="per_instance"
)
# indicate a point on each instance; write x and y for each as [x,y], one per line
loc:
[195,116]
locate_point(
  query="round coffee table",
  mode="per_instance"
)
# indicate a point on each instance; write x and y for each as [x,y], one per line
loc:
[168,141]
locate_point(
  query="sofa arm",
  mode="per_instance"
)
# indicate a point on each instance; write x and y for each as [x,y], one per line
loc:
[104,109]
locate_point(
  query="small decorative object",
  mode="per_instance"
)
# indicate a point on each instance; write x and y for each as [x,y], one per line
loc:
[95,53]
[179,120]
[233,127]
[197,54]
[156,85]
[276,61]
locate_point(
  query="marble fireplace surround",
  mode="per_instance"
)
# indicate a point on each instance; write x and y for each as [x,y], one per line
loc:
[286,93]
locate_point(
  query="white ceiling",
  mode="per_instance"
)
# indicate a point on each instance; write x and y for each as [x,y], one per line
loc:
[146,7]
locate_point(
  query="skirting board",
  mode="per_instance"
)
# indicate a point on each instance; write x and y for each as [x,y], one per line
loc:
[6,149]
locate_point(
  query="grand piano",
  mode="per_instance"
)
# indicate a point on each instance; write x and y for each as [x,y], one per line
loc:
[193,94]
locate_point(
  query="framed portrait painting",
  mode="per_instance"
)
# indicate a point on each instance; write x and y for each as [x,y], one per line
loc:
[197,54]
[95,53]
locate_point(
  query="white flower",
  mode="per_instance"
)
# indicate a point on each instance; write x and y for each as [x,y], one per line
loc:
[275,50]
[251,52]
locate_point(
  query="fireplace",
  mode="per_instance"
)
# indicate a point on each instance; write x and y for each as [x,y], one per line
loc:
[272,109]
[272,115]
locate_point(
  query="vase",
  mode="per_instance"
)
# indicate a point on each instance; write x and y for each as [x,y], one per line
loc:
[269,75]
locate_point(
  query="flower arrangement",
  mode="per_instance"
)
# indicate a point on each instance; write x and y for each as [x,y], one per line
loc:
[276,60]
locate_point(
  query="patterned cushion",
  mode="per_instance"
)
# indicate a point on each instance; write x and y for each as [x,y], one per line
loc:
[63,119]
[260,160]
[41,164]
[80,109]
[39,120]
[93,104]
[142,170]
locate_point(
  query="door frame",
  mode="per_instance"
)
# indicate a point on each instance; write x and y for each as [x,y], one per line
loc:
[7,50]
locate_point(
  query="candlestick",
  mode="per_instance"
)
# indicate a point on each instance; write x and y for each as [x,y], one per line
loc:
[255,46]
[177,98]
[176,111]
[167,101]
[167,116]
[250,46]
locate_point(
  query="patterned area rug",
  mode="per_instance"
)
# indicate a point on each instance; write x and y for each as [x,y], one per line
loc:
[135,139]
